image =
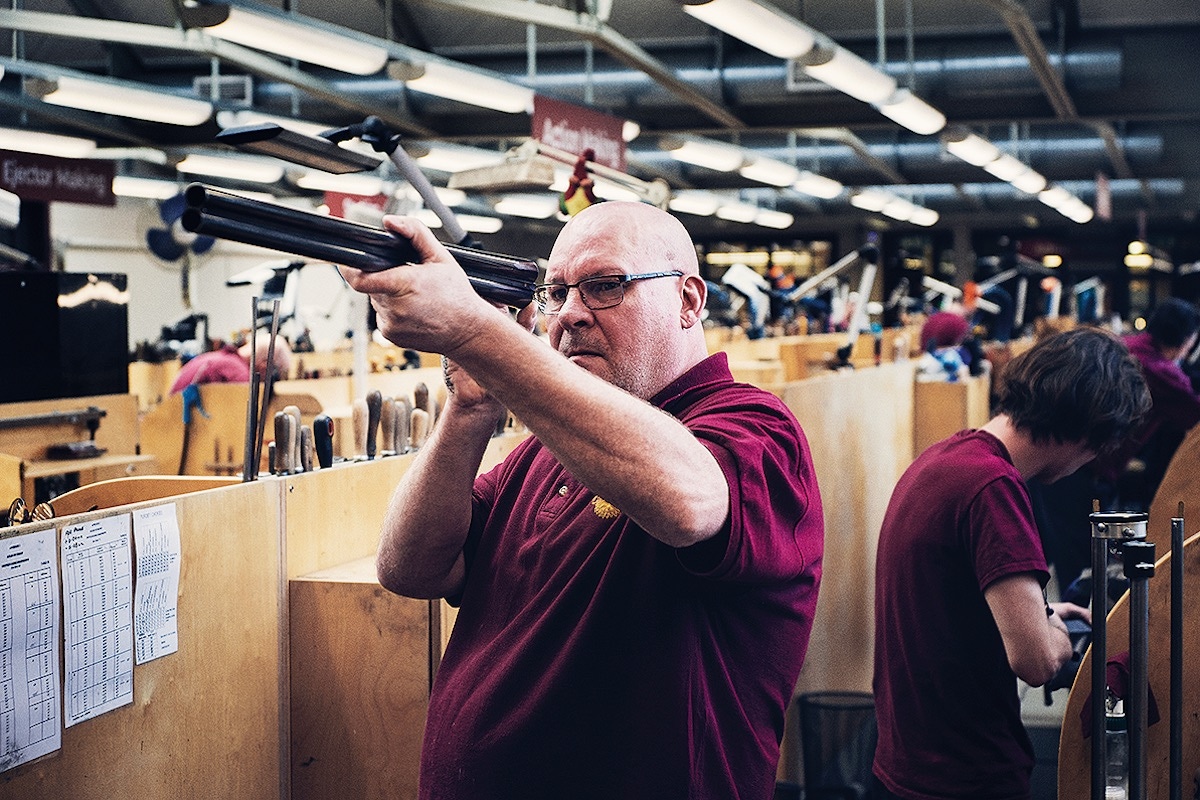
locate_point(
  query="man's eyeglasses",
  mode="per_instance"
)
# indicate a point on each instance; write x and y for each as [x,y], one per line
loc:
[602,291]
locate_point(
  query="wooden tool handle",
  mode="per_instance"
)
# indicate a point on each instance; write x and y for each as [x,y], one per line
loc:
[283,442]
[403,425]
[323,440]
[359,417]
[374,407]
[420,427]
[306,448]
[387,426]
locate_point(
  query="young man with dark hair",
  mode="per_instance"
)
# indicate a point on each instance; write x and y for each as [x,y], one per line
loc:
[960,612]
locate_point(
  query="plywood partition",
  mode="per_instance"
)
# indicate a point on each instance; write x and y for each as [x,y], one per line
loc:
[1180,484]
[205,722]
[859,425]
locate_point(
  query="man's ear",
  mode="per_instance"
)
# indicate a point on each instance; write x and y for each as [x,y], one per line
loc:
[695,292]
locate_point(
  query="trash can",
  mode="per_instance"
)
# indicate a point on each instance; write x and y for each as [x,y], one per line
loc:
[837,743]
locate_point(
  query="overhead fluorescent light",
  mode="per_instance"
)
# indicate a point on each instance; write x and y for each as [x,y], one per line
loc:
[148,188]
[694,201]
[464,85]
[240,169]
[923,216]
[770,218]
[1030,182]
[770,171]
[870,199]
[477,223]
[738,212]
[712,155]
[1006,167]
[288,35]
[120,99]
[849,74]
[533,206]
[974,150]
[47,144]
[356,183]
[756,24]
[912,112]
[150,155]
[1077,211]
[898,208]
[816,185]
[455,158]
[630,130]
[1055,196]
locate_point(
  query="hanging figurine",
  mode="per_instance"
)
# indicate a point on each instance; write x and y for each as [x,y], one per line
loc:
[579,193]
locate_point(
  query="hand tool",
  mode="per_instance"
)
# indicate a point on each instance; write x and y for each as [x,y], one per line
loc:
[374,408]
[323,440]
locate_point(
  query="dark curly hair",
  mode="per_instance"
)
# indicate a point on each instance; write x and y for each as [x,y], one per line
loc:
[1081,385]
[1173,322]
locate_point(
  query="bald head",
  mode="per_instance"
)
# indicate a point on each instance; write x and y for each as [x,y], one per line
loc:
[654,239]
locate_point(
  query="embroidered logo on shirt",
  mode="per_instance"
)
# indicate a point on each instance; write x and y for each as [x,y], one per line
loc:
[604,509]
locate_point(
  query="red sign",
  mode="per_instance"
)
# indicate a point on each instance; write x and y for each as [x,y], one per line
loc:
[46,178]
[573,128]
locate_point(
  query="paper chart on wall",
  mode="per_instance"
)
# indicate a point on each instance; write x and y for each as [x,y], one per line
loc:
[155,600]
[98,606]
[30,725]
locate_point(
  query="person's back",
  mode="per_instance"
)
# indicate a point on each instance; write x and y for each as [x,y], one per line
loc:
[960,612]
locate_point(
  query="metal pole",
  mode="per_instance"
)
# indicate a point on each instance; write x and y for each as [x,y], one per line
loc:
[1176,731]
[1109,528]
[1139,568]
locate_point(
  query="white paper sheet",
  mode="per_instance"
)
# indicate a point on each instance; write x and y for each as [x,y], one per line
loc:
[29,695]
[98,606]
[155,600]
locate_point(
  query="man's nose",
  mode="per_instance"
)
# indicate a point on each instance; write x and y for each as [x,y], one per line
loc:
[573,308]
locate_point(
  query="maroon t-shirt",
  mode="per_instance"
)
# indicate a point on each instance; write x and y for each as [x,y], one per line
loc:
[590,660]
[946,700]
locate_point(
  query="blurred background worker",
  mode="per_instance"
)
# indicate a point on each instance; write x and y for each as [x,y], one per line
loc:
[231,364]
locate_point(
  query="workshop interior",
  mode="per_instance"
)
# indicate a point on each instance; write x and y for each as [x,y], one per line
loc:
[890,200]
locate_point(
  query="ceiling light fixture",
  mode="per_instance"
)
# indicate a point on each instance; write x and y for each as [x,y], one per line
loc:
[912,112]
[288,35]
[120,99]
[849,74]
[355,183]
[1006,167]
[738,212]
[147,188]
[1030,182]
[770,171]
[816,185]
[532,206]
[695,201]
[756,24]
[975,150]
[239,169]
[465,85]
[711,155]
[47,144]
[770,218]
[455,158]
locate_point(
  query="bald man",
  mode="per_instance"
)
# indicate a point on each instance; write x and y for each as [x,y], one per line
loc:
[636,582]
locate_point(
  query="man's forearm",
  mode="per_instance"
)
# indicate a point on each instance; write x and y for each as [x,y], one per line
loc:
[429,515]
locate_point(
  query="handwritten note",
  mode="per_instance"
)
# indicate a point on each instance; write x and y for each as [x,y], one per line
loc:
[98,605]
[155,601]
[29,696]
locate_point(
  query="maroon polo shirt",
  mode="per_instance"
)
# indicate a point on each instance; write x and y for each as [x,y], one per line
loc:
[590,660]
[946,700]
